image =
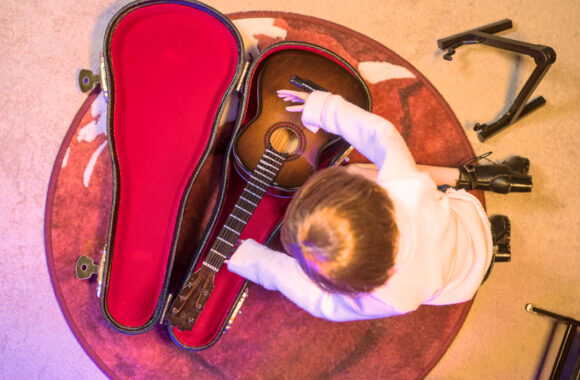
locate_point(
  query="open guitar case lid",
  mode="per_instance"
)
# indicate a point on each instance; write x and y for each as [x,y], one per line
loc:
[179,89]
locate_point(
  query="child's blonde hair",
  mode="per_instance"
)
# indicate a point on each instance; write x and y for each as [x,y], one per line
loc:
[340,227]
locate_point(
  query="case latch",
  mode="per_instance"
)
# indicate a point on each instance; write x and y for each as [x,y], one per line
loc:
[87,80]
[85,268]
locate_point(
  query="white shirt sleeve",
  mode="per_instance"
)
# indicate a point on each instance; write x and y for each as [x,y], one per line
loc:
[277,271]
[373,136]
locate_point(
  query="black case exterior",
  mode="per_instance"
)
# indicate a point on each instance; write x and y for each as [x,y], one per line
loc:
[174,264]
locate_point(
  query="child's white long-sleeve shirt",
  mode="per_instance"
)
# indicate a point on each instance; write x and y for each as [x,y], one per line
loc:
[444,246]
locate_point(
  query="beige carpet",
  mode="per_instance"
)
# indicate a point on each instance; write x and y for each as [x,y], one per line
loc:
[44,44]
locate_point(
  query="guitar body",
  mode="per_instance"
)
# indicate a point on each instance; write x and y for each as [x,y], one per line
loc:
[273,123]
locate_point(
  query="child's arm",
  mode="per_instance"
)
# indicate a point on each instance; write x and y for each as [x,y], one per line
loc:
[278,271]
[370,134]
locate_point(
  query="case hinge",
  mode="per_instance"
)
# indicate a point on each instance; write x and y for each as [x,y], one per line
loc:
[104,85]
[344,156]
[237,310]
[85,268]
[243,77]
[167,303]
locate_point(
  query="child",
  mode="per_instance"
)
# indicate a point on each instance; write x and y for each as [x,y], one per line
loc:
[368,243]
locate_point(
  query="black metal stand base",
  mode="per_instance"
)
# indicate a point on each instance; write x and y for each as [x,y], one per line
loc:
[567,363]
[544,57]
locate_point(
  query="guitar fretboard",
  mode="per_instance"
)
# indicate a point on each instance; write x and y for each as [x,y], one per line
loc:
[261,179]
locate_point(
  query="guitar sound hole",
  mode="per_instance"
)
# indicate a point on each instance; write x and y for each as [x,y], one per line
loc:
[286,139]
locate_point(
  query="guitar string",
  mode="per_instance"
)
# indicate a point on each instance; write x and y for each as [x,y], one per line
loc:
[237,220]
[245,213]
[216,259]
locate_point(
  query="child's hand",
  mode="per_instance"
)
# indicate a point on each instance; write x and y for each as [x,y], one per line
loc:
[294,97]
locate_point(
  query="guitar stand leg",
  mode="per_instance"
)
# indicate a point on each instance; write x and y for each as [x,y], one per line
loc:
[558,369]
[544,57]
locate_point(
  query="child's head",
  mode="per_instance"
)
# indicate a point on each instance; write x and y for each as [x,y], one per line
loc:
[340,227]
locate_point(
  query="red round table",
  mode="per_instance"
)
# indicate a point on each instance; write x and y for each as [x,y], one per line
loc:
[271,338]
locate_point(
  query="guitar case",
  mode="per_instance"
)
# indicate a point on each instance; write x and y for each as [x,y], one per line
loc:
[179,89]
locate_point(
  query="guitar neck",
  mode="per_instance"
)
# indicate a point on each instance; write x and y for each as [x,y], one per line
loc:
[192,298]
[261,179]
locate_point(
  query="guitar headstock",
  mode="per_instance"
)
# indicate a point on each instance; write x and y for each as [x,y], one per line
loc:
[189,303]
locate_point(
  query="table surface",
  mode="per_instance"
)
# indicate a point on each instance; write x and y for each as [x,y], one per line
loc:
[270,329]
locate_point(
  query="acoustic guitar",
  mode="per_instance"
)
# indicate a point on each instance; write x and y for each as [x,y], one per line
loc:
[274,153]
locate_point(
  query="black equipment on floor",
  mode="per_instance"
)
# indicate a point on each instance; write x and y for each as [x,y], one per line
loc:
[544,57]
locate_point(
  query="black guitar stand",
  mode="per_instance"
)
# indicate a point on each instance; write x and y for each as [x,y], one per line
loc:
[567,363]
[543,56]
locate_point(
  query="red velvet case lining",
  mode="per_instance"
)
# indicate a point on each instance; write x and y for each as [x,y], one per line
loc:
[171,65]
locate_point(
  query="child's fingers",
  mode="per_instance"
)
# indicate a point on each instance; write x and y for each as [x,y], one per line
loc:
[311,128]
[288,98]
[293,100]
[295,96]
[284,92]
[297,108]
